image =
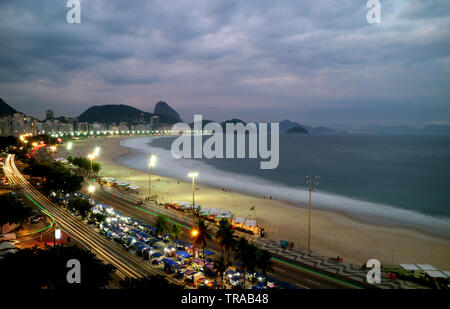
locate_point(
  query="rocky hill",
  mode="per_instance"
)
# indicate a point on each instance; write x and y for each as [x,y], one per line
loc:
[5,109]
[125,113]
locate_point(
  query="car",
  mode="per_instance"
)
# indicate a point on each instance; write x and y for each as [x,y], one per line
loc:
[15,242]
[36,218]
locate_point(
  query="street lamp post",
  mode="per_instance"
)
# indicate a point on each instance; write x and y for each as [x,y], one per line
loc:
[312,182]
[193,175]
[91,190]
[151,163]
[194,234]
[91,157]
[56,235]
[53,149]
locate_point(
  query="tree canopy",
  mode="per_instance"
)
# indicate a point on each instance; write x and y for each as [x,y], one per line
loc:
[11,211]
[148,283]
[55,176]
[47,268]
[80,205]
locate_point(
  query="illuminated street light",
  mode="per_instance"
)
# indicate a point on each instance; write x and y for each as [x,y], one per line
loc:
[312,182]
[96,151]
[193,175]
[56,236]
[151,163]
[91,157]
[194,233]
[69,146]
[53,149]
[91,190]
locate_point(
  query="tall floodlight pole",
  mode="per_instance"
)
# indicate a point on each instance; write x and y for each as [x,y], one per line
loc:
[91,157]
[312,182]
[193,175]
[151,163]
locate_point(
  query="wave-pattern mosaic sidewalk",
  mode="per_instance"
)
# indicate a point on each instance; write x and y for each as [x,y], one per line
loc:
[309,258]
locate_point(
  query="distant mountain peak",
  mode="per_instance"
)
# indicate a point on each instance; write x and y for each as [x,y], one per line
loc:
[287,125]
[162,108]
[117,113]
[297,130]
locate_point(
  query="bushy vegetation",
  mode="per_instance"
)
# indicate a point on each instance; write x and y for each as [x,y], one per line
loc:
[80,206]
[83,165]
[54,177]
[46,268]
[12,211]
[148,283]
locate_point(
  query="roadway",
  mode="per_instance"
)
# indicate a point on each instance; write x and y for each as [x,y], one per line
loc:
[147,213]
[127,264]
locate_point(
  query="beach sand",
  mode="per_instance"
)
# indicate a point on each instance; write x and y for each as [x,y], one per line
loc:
[332,233]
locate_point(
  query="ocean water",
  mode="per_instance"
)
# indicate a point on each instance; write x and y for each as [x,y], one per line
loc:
[401,180]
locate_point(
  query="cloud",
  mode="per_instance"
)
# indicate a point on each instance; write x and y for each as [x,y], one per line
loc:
[300,59]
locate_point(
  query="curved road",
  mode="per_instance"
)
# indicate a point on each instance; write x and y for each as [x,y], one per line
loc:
[127,264]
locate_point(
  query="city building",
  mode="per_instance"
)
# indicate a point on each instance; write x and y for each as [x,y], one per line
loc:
[154,122]
[49,114]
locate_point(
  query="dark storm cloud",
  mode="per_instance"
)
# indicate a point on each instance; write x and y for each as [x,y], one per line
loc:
[259,59]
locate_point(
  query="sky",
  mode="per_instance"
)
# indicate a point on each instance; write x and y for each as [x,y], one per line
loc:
[316,62]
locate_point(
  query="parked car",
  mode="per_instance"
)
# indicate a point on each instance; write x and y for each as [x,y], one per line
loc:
[36,218]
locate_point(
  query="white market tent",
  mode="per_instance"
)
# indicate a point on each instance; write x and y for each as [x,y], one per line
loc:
[250,223]
[215,211]
[430,270]
[108,179]
[426,267]
[409,267]
[239,220]
[123,183]
[446,272]
[435,274]
[206,211]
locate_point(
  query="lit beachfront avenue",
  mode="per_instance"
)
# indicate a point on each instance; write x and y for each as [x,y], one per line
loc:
[193,175]
[122,203]
[126,264]
[151,163]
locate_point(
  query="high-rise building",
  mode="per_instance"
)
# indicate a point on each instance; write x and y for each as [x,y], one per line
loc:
[154,122]
[49,114]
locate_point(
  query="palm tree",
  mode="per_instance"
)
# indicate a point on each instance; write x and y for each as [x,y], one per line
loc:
[220,234]
[221,267]
[246,254]
[176,233]
[250,259]
[240,250]
[96,167]
[225,237]
[161,225]
[202,237]
[264,262]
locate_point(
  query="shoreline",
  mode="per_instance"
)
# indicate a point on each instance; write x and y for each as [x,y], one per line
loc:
[333,233]
[369,212]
